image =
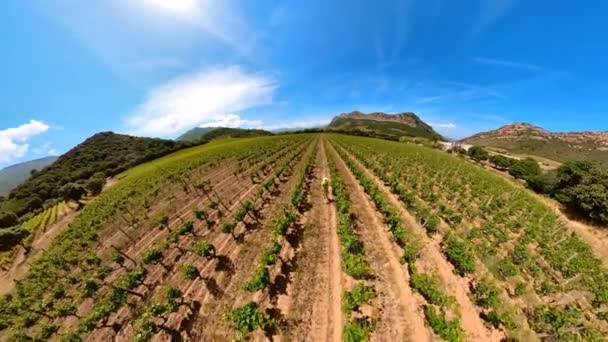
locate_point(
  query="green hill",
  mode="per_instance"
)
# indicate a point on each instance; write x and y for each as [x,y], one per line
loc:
[392,126]
[16,174]
[210,133]
[104,154]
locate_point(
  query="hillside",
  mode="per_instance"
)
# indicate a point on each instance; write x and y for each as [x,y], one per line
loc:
[412,244]
[14,175]
[210,133]
[560,146]
[106,153]
[383,125]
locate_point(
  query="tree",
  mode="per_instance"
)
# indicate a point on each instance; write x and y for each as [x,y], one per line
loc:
[478,153]
[95,183]
[583,187]
[525,169]
[501,162]
[10,237]
[8,219]
[72,192]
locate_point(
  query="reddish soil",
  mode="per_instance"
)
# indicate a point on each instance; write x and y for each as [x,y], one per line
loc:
[401,317]
[314,312]
[432,260]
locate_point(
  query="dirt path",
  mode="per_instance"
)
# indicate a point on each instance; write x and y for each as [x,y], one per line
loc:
[432,259]
[314,313]
[401,316]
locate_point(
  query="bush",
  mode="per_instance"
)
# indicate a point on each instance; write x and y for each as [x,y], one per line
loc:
[359,295]
[501,162]
[506,268]
[478,153]
[357,331]
[459,254]
[525,169]
[246,318]
[8,219]
[583,187]
[448,330]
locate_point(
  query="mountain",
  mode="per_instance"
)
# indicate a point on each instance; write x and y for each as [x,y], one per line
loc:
[383,125]
[105,154]
[16,174]
[525,138]
[195,134]
[210,133]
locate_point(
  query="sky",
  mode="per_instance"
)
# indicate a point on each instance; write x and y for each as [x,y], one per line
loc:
[157,68]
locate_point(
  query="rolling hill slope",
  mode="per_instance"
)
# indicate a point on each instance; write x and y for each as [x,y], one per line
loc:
[383,125]
[561,146]
[16,174]
[210,133]
[106,153]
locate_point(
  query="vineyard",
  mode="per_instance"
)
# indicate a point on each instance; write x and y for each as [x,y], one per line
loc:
[237,239]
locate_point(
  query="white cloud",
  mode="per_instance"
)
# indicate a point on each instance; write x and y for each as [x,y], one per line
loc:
[203,97]
[13,141]
[508,64]
[232,120]
[45,149]
[447,125]
[297,124]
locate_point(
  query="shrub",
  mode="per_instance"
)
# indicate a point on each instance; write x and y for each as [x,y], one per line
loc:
[525,169]
[478,153]
[459,254]
[506,268]
[260,280]
[359,295]
[448,330]
[190,272]
[204,249]
[247,318]
[357,331]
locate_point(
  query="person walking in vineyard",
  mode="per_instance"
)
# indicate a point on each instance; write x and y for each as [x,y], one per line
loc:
[325,185]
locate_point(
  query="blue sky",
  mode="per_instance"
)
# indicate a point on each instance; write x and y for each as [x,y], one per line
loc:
[72,68]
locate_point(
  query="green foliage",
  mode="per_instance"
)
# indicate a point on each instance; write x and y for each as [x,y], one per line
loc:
[8,219]
[485,294]
[448,330]
[357,331]
[10,237]
[429,287]
[163,219]
[190,272]
[478,153]
[506,268]
[89,288]
[525,169]
[247,318]
[152,255]
[260,280]
[201,214]
[460,255]
[95,184]
[205,249]
[102,155]
[501,162]
[271,254]
[358,296]
[583,187]
[228,228]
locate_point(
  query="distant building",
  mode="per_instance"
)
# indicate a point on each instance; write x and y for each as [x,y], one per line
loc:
[451,144]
